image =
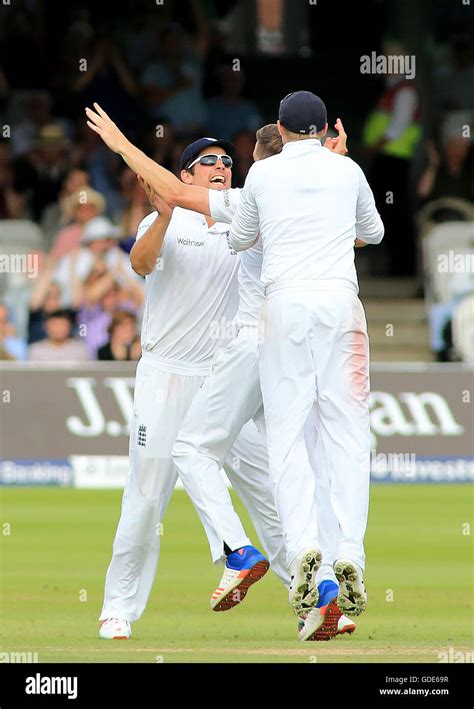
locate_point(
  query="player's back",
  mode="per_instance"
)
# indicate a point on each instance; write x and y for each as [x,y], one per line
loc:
[307,199]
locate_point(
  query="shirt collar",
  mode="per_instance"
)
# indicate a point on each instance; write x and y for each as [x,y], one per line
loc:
[302,145]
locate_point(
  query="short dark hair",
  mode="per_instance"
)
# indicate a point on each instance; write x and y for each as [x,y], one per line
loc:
[61,313]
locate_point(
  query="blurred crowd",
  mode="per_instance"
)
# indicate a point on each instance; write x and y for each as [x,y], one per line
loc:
[166,79]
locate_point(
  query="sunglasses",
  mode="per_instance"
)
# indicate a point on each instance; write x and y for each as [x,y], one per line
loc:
[211,159]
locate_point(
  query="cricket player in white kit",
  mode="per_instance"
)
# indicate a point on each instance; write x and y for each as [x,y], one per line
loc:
[193,285]
[309,205]
[231,395]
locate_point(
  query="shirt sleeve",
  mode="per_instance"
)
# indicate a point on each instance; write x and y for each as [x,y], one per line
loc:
[403,112]
[245,224]
[369,226]
[223,204]
[145,224]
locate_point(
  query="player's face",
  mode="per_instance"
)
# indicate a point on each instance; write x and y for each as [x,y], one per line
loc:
[58,329]
[214,177]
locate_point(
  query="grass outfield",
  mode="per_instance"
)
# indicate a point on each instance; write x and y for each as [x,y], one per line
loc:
[59,547]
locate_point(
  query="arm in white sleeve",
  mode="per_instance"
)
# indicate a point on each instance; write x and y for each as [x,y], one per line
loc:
[369,226]
[403,112]
[245,224]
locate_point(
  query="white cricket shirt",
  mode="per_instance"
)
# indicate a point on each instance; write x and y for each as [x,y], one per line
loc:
[309,205]
[191,291]
[223,205]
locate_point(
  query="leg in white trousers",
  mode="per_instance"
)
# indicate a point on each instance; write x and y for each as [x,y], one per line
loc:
[160,404]
[316,351]
[215,433]
[230,396]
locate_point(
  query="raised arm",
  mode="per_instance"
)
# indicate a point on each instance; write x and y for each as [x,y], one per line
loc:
[245,224]
[173,191]
[150,235]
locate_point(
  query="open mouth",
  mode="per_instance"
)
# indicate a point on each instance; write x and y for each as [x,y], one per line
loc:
[217,180]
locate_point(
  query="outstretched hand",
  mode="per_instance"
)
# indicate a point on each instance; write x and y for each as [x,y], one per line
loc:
[104,126]
[338,145]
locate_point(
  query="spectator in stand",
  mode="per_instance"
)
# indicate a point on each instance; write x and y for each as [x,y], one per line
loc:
[44,169]
[142,42]
[454,78]
[451,173]
[11,346]
[46,299]
[229,113]
[99,249]
[79,208]
[391,134]
[135,208]
[172,85]
[109,80]
[58,346]
[105,293]
[124,344]
[13,199]
[54,217]
[25,134]
[21,55]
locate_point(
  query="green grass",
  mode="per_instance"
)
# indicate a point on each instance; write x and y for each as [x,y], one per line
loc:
[60,544]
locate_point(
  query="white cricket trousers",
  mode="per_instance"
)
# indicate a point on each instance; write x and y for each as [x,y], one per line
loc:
[230,396]
[163,394]
[314,357]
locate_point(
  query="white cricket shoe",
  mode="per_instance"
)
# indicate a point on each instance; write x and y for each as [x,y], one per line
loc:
[304,592]
[243,567]
[115,629]
[345,625]
[352,599]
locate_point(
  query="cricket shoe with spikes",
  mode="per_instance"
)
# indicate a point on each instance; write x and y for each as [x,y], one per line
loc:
[115,629]
[304,594]
[321,622]
[243,568]
[352,599]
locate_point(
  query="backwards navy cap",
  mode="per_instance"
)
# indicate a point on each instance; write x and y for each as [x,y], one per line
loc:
[303,112]
[193,150]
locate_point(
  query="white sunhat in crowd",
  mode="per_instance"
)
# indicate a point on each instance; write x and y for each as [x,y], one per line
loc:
[100,228]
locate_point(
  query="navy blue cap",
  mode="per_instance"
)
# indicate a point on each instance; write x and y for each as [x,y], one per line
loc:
[193,150]
[303,112]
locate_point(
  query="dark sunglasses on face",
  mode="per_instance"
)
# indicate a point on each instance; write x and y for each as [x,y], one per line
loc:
[211,159]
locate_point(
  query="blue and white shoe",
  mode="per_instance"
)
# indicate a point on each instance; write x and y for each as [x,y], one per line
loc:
[321,623]
[243,568]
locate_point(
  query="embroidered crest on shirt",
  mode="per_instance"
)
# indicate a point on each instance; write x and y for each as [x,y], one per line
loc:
[141,435]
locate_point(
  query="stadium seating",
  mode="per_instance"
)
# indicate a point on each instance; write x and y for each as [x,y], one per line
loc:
[455,238]
[463,329]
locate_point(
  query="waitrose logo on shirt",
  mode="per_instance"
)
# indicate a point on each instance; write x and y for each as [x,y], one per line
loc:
[189,242]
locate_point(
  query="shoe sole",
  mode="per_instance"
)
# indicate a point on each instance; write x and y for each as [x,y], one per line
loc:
[305,595]
[328,630]
[232,599]
[347,575]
